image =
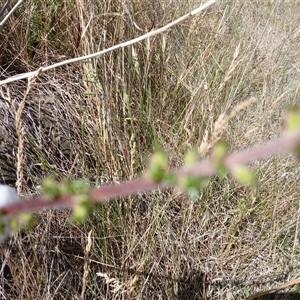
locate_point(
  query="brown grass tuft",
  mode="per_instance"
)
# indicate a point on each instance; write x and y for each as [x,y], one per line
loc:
[100,120]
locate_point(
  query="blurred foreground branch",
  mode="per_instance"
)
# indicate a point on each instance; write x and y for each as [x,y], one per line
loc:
[203,168]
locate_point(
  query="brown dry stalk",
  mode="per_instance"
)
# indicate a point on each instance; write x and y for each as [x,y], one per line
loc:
[220,126]
[86,265]
[203,168]
[21,133]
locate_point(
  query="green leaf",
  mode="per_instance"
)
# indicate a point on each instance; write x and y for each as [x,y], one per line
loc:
[79,213]
[26,220]
[293,123]
[158,165]
[50,188]
[244,175]
[81,209]
[14,225]
[296,151]
[192,185]
[293,120]
[222,170]
[2,225]
[78,187]
[170,178]
[191,157]
[219,151]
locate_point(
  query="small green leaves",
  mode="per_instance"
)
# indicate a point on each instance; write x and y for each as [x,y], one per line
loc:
[26,220]
[50,188]
[218,154]
[14,225]
[158,165]
[293,120]
[170,178]
[192,185]
[191,157]
[220,150]
[8,196]
[76,187]
[293,123]
[81,209]
[83,206]
[296,151]
[2,225]
[244,175]
[53,189]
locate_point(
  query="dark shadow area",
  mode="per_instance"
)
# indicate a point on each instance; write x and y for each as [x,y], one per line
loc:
[281,296]
[195,285]
[192,286]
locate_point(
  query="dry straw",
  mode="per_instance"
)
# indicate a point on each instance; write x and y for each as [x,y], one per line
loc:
[21,133]
[86,265]
[220,126]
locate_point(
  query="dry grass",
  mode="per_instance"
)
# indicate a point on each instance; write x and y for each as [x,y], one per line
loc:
[101,119]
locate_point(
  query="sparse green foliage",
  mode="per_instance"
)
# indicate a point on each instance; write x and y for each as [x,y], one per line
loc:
[193,185]
[81,209]
[293,119]
[158,165]
[244,175]
[25,220]
[170,179]
[76,187]
[157,169]
[2,225]
[14,225]
[191,157]
[50,188]
[219,152]
[293,123]
[8,226]
[79,188]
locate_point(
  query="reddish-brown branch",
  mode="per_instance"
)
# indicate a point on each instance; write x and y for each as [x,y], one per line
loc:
[202,168]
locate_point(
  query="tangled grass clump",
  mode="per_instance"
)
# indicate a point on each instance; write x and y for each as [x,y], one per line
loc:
[100,119]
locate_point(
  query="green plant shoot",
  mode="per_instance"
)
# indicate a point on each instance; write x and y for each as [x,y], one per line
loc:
[192,185]
[244,175]
[158,165]
[219,152]
[191,157]
[293,120]
[81,209]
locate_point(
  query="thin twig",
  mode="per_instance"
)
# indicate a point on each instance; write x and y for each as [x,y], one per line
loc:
[90,56]
[4,7]
[10,13]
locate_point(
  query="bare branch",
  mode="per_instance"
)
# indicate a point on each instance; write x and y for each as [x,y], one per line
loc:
[136,40]
[10,13]
[4,7]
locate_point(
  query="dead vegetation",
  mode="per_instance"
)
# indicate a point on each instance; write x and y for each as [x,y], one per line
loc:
[100,120]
